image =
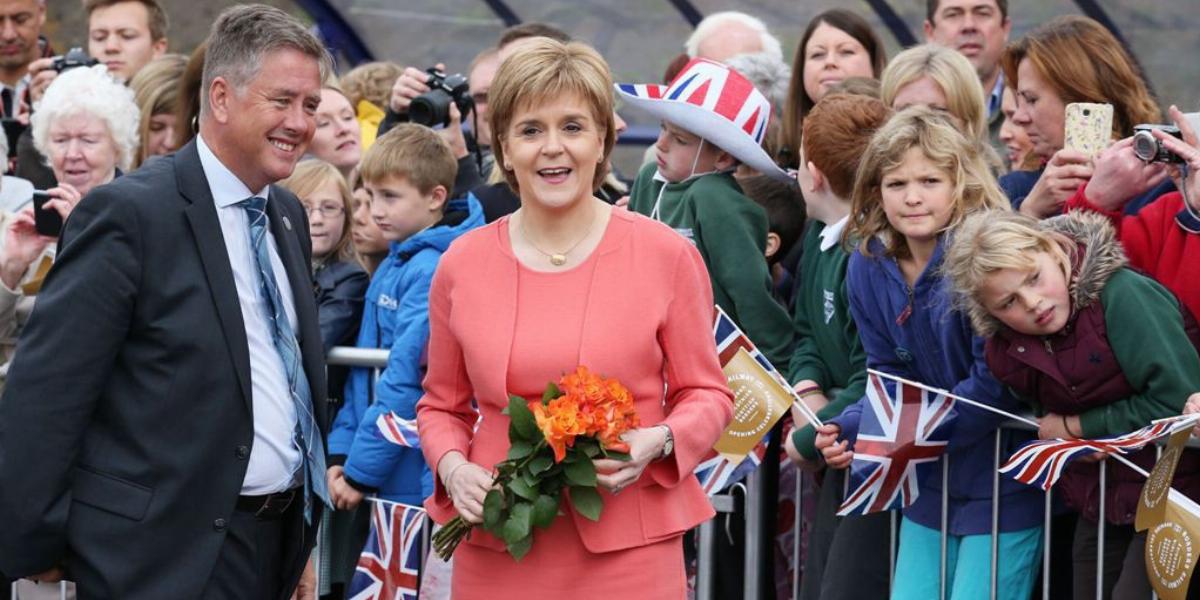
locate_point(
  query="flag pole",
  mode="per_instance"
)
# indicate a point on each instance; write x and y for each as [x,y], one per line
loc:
[956,397]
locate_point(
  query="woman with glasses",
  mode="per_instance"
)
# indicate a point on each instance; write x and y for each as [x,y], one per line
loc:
[340,283]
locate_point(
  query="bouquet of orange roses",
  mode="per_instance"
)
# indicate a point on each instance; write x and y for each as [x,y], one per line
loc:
[554,440]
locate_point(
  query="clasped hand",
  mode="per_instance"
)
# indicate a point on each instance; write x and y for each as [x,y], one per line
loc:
[836,454]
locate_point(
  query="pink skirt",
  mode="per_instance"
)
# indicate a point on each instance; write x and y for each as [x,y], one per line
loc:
[560,566]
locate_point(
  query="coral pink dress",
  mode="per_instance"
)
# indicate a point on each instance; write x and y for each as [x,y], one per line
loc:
[497,326]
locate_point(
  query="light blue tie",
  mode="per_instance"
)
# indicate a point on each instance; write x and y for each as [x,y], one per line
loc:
[308,434]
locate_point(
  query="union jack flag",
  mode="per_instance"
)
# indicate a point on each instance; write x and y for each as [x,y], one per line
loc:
[398,430]
[391,558]
[897,433]
[1041,462]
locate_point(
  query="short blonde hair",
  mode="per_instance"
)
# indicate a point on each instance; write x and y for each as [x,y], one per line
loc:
[312,173]
[156,91]
[372,82]
[962,160]
[952,72]
[989,241]
[414,152]
[545,69]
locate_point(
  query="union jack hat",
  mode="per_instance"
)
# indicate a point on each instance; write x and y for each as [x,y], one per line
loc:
[715,102]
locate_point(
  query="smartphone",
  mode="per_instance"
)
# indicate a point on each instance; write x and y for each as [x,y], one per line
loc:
[1088,127]
[46,221]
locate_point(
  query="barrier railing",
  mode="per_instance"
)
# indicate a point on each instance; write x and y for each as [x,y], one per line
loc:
[754,584]
[998,460]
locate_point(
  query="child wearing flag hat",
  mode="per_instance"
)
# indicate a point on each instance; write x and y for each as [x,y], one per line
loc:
[1101,349]
[713,118]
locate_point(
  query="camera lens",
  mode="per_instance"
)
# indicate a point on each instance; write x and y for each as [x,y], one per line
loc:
[1145,146]
[431,108]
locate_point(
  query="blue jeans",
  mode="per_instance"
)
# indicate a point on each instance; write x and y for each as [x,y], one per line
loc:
[968,564]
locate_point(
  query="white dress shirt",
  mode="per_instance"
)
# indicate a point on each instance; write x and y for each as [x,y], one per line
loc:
[831,235]
[275,458]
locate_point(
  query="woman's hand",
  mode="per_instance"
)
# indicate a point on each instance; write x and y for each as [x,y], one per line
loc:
[1189,151]
[409,85]
[22,245]
[836,454]
[467,484]
[63,199]
[343,495]
[1066,171]
[645,445]
[1055,426]
[1119,176]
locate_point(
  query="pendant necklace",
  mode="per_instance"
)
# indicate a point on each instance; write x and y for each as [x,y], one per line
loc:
[558,259]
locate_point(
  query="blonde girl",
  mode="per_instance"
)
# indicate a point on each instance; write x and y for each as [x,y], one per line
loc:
[918,179]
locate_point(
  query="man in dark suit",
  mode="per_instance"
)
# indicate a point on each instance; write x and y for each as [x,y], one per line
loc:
[162,430]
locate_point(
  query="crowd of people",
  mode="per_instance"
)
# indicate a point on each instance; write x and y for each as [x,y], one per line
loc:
[206,228]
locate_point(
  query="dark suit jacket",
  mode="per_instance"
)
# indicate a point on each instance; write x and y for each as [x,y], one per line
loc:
[126,424]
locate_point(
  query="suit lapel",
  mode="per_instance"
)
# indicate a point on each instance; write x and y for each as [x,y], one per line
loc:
[286,230]
[206,232]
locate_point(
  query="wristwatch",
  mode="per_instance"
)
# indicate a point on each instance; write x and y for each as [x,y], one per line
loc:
[668,444]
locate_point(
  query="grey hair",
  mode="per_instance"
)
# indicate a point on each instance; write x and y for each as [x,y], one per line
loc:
[712,24]
[90,91]
[242,35]
[768,73]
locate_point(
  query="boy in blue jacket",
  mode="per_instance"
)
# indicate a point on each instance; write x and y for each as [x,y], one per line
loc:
[408,173]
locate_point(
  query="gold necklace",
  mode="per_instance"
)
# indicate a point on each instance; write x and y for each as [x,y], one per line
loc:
[558,259]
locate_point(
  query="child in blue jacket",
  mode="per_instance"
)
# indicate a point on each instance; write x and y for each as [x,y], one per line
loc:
[918,178]
[408,172]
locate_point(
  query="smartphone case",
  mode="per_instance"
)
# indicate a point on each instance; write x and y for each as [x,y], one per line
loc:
[1088,127]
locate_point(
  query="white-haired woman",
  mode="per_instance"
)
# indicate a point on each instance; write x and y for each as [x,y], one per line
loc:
[86,126]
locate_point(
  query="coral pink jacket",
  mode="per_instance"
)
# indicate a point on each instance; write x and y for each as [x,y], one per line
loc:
[648,323]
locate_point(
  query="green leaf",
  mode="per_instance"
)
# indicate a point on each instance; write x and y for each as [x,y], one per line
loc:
[545,508]
[520,449]
[523,423]
[522,489]
[587,501]
[493,509]
[521,547]
[581,472]
[551,393]
[613,454]
[518,523]
[540,464]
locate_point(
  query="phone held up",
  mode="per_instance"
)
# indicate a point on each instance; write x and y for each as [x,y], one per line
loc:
[46,221]
[1088,127]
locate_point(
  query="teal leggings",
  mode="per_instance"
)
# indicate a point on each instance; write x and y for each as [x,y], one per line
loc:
[968,562]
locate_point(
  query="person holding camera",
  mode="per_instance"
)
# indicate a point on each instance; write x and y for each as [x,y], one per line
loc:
[1163,238]
[87,125]
[434,98]
[1074,59]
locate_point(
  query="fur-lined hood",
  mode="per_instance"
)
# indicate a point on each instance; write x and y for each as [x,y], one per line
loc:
[1096,257]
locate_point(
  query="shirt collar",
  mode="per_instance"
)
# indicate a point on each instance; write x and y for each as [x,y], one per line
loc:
[226,188]
[996,98]
[833,233]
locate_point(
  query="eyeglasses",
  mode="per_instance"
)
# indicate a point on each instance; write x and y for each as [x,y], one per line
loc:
[329,211]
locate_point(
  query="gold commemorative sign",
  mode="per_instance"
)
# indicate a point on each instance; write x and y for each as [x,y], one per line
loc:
[758,403]
[1171,548]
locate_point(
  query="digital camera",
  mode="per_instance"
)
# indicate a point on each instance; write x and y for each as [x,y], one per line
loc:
[1150,149]
[76,57]
[433,107]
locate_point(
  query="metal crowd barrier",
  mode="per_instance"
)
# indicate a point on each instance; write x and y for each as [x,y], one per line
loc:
[705,593]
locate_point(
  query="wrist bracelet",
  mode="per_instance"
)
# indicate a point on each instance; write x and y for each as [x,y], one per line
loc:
[808,391]
[1067,428]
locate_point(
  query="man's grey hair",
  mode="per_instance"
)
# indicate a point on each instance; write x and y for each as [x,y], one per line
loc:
[712,24]
[243,35]
[769,74]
